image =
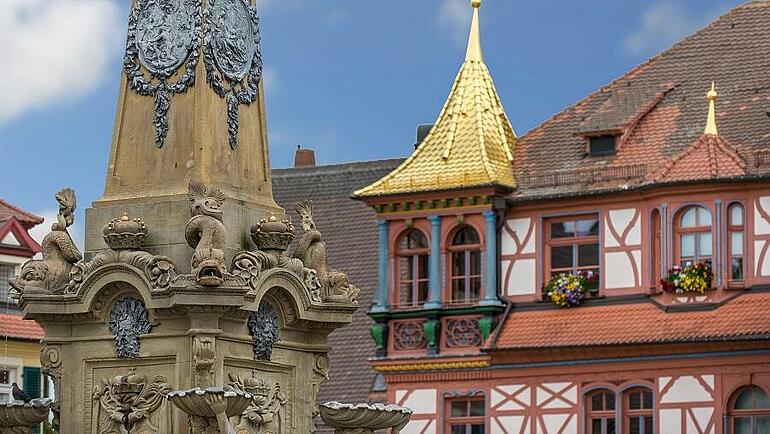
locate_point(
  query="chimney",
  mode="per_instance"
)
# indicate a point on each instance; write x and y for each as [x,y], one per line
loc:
[422,132]
[304,157]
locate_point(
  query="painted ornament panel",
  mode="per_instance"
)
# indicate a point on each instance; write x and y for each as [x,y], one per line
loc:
[232,56]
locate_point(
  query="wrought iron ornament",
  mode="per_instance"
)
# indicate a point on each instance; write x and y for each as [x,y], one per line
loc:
[232,56]
[263,327]
[162,35]
[128,320]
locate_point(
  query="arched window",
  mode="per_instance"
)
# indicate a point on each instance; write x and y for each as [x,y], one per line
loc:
[637,411]
[735,236]
[465,259]
[694,242]
[412,269]
[750,411]
[600,412]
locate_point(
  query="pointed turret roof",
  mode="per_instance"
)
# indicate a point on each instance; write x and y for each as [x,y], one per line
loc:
[709,156]
[470,145]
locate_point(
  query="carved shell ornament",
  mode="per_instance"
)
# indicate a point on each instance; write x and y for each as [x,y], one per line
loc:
[232,56]
[162,36]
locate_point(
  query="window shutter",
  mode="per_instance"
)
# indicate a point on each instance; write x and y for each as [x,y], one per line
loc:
[32,382]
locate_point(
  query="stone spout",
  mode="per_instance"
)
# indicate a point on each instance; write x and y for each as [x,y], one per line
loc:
[364,418]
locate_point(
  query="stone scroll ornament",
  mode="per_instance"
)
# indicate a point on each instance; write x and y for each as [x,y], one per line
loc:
[162,36]
[128,320]
[232,56]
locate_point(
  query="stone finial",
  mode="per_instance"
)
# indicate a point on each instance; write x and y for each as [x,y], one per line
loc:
[125,233]
[711,120]
[272,235]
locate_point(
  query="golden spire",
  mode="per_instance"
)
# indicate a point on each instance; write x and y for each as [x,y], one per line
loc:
[711,122]
[474,40]
[471,143]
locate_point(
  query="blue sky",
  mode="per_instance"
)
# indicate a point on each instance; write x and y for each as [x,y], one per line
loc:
[350,79]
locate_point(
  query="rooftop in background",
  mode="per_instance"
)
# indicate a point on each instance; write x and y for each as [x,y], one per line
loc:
[27,219]
[16,328]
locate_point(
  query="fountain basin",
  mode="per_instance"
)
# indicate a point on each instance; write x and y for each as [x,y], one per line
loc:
[196,402]
[18,414]
[372,417]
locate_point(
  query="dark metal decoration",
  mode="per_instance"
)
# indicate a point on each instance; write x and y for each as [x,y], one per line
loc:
[463,332]
[128,320]
[232,56]
[263,327]
[162,35]
[408,336]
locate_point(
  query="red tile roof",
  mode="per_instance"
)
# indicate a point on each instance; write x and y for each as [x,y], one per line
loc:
[744,317]
[659,109]
[27,219]
[708,157]
[13,326]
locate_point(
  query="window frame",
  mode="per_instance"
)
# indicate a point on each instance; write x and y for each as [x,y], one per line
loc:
[590,148]
[414,259]
[730,229]
[467,421]
[627,413]
[752,414]
[604,414]
[467,250]
[573,241]
[697,230]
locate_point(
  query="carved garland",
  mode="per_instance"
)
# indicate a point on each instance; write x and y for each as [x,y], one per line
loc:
[162,34]
[232,56]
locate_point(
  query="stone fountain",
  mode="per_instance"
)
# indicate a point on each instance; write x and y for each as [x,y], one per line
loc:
[197,306]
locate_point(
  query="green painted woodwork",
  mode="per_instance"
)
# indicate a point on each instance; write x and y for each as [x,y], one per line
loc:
[485,326]
[378,335]
[430,328]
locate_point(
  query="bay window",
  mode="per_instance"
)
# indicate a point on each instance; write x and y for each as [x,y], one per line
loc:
[465,266]
[694,241]
[412,269]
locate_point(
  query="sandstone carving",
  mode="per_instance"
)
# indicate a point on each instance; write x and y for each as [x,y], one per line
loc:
[204,356]
[334,285]
[128,403]
[51,274]
[128,320]
[265,414]
[206,233]
[18,417]
[263,327]
[364,418]
[211,408]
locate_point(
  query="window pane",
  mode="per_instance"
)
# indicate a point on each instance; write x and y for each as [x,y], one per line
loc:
[459,408]
[688,218]
[704,217]
[405,268]
[688,246]
[458,289]
[742,426]
[475,257]
[587,227]
[736,243]
[414,240]
[466,235]
[704,244]
[596,426]
[610,426]
[458,429]
[745,400]
[761,398]
[458,264]
[406,292]
[763,424]
[477,408]
[610,400]
[596,401]
[561,257]
[475,290]
[736,269]
[588,255]
[736,215]
[634,425]
[635,400]
[562,229]
[647,398]
[648,426]
[477,429]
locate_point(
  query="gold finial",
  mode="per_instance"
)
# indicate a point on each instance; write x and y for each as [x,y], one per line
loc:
[474,40]
[711,122]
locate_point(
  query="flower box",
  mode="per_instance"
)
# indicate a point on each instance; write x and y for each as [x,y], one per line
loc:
[692,278]
[568,290]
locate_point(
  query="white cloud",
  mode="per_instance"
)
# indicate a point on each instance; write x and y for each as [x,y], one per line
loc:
[53,50]
[455,17]
[664,23]
[272,82]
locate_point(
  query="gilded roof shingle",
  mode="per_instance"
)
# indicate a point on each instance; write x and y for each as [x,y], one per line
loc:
[471,144]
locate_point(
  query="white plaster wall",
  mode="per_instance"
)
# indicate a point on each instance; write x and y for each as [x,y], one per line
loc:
[519,392]
[670,421]
[763,267]
[558,424]
[507,424]
[702,418]
[523,277]
[618,271]
[10,240]
[521,227]
[621,219]
[686,389]
[420,427]
[761,226]
[421,401]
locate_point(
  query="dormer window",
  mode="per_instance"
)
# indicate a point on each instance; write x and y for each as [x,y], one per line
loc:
[602,145]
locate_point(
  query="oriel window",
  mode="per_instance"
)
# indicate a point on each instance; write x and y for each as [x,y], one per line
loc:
[412,269]
[465,266]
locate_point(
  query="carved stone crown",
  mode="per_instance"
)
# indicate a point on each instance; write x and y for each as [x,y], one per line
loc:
[132,383]
[271,234]
[256,387]
[125,233]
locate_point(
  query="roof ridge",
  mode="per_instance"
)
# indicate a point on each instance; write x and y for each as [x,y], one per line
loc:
[33,217]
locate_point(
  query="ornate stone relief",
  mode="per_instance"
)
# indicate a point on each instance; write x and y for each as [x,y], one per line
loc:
[263,328]
[206,233]
[265,414]
[128,320]
[204,357]
[232,56]
[320,374]
[128,403]
[51,274]
[50,362]
[162,35]
[311,250]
